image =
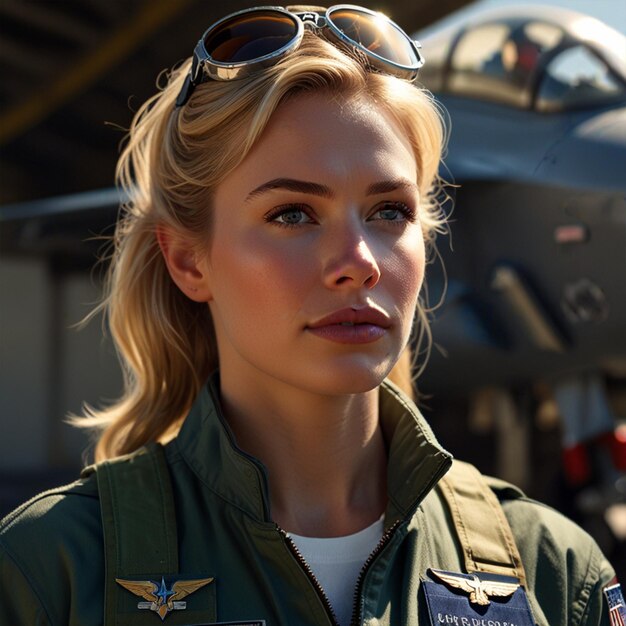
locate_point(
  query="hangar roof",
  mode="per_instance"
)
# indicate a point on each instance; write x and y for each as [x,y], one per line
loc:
[73,72]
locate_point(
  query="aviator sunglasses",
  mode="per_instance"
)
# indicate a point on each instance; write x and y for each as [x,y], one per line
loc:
[244,42]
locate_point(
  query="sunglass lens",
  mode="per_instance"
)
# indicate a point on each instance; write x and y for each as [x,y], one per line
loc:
[250,36]
[377,34]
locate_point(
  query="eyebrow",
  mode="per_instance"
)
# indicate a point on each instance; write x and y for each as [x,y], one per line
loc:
[316,189]
[385,186]
[292,184]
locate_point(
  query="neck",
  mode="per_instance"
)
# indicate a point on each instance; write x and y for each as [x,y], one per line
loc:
[325,455]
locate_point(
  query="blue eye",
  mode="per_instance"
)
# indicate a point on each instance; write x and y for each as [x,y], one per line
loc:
[393,212]
[289,215]
[295,216]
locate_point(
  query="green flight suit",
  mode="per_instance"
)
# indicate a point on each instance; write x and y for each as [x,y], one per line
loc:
[52,569]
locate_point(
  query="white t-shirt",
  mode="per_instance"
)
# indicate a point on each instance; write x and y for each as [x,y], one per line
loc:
[337,562]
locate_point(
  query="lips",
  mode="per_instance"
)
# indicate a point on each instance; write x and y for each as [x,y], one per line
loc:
[352,326]
[367,315]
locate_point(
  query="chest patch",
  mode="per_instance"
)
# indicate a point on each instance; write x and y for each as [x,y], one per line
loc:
[475,599]
[617,608]
[163,599]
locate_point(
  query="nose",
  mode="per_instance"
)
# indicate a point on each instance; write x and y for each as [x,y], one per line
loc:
[353,263]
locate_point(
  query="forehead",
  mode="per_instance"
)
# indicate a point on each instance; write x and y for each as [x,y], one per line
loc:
[315,137]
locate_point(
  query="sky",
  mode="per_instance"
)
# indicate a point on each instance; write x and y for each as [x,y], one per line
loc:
[612,12]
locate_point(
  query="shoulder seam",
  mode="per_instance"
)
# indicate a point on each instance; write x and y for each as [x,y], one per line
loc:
[20,510]
[503,488]
[581,605]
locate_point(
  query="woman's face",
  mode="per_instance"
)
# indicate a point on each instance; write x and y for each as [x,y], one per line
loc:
[317,255]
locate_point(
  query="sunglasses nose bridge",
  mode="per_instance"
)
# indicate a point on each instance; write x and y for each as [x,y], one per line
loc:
[311,20]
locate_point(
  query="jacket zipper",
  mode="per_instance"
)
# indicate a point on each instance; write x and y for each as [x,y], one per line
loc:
[309,572]
[356,609]
[384,540]
[356,612]
[387,535]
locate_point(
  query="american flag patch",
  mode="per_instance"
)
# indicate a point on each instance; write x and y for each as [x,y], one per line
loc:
[617,607]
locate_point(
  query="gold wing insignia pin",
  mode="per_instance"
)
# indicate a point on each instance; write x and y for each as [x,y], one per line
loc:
[479,590]
[159,598]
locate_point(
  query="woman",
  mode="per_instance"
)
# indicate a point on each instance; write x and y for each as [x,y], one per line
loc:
[281,215]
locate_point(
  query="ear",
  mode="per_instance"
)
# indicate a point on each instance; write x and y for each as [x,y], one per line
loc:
[186,269]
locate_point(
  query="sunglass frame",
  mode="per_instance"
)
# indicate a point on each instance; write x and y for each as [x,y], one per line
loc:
[205,68]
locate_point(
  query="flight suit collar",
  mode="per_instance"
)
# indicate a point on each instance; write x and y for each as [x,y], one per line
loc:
[416,460]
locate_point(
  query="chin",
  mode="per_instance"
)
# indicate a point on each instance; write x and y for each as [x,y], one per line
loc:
[348,378]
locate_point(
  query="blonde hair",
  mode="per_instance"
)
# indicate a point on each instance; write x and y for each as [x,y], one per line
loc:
[170,167]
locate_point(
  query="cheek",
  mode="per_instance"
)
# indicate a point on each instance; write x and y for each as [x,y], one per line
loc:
[408,264]
[254,278]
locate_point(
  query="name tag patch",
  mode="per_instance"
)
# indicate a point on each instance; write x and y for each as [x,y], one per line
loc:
[475,599]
